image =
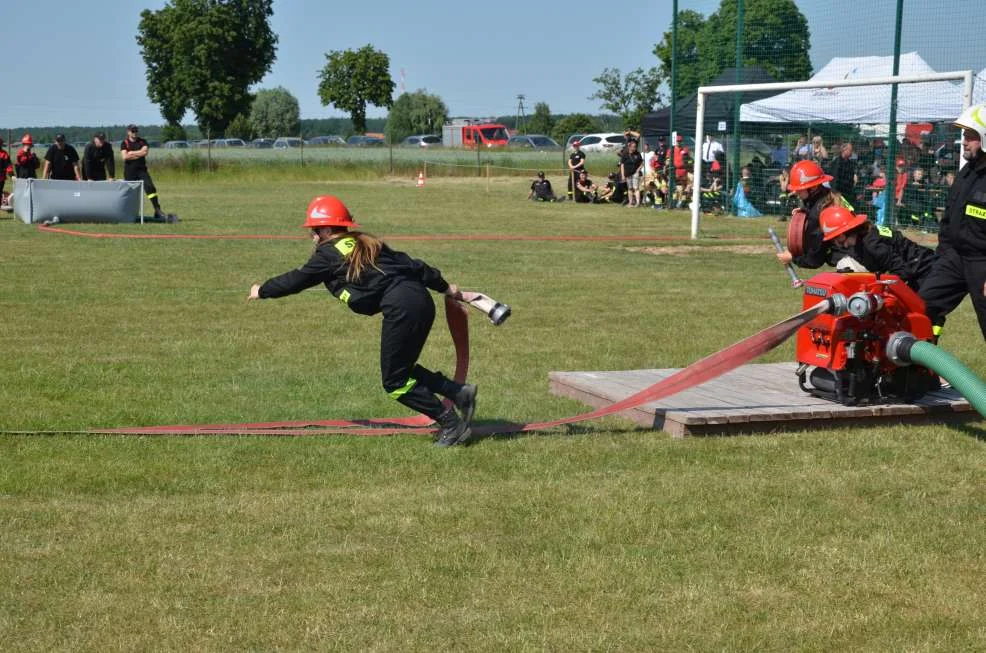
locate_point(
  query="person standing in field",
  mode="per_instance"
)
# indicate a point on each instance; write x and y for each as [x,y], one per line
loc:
[27,163]
[369,277]
[61,161]
[6,168]
[960,268]
[98,163]
[134,151]
[576,164]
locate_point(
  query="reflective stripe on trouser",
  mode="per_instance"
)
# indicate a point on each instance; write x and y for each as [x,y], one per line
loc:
[408,313]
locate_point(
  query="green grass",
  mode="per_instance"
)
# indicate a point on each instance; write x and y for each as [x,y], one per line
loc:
[598,537]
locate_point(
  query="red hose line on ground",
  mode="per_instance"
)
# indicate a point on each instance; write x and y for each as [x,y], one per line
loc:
[452,237]
[706,369]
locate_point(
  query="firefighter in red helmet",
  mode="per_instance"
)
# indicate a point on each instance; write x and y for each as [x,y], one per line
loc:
[27,162]
[809,182]
[877,249]
[369,277]
[6,168]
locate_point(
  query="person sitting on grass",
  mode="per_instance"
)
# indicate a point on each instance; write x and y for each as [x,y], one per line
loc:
[369,277]
[683,191]
[606,194]
[541,190]
[711,196]
[585,190]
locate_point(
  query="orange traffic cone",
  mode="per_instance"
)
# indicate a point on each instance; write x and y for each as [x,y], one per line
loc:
[421,179]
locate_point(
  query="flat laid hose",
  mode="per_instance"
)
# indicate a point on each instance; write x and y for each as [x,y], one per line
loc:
[706,369]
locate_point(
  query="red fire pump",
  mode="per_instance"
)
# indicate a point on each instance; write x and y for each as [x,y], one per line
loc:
[842,353]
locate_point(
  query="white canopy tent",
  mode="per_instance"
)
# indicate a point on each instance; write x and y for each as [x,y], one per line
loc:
[935,101]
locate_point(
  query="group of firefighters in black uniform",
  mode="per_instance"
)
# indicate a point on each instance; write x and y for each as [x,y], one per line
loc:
[834,234]
[97,163]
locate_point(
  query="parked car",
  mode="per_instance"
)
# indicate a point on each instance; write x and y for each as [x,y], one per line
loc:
[262,143]
[286,142]
[175,145]
[534,142]
[602,142]
[359,140]
[422,140]
[228,142]
[326,140]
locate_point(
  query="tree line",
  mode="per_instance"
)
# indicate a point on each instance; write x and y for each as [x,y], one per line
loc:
[204,55]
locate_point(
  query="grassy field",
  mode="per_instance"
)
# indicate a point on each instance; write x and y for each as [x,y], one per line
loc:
[601,537]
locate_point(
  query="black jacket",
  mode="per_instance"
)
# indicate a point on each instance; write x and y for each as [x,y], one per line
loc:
[328,265]
[886,250]
[98,161]
[815,251]
[963,227]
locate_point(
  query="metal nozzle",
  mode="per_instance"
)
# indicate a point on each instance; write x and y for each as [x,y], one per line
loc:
[499,314]
[837,304]
[494,310]
[863,304]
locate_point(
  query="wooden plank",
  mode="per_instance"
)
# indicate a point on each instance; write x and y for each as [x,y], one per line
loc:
[751,398]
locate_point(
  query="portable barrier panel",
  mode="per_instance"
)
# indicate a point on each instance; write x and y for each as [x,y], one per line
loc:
[42,200]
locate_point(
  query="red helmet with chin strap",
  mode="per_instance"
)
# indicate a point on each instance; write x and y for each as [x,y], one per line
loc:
[807,174]
[27,140]
[837,220]
[328,211]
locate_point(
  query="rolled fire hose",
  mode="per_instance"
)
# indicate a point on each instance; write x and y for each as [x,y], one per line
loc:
[796,233]
[903,349]
[699,372]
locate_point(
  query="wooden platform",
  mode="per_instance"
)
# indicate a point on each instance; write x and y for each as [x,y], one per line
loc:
[750,399]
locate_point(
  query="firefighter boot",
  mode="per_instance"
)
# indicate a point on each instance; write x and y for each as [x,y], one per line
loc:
[453,430]
[465,401]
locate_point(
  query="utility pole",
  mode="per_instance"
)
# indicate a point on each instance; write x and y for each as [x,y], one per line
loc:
[520,112]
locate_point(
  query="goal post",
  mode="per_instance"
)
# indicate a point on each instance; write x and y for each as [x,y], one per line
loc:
[965,77]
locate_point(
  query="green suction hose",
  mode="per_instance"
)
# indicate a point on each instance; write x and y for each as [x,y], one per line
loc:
[903,349]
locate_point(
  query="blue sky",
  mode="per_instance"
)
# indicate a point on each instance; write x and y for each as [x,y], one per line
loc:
[86,69]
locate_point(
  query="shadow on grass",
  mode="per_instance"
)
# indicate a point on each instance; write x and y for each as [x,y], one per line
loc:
[507,430]
[972,430]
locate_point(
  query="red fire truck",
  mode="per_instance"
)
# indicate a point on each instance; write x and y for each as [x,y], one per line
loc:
[470,132]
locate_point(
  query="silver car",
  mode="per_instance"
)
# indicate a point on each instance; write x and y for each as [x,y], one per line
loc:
[422,140]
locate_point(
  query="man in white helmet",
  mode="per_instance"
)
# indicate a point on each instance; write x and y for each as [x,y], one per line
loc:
[961,265]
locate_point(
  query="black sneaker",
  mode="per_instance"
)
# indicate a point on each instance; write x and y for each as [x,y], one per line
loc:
[465,401]
[453,431]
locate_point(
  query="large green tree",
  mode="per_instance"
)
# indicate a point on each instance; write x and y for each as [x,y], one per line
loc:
[416,113]
[630,96]
[351,79]
[775,37]
[541,122]
[203,55]
[275,112]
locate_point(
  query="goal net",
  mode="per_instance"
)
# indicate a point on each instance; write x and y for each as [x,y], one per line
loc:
[894,134]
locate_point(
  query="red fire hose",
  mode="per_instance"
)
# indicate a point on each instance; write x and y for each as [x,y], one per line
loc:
[699,372]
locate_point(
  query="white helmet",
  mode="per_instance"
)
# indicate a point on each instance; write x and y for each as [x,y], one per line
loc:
[974,118]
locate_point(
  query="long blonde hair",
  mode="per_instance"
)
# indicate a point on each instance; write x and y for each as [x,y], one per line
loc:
[364,254]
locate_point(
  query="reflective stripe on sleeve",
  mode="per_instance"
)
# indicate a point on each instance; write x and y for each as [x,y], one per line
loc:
[975,212]
[346,245]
